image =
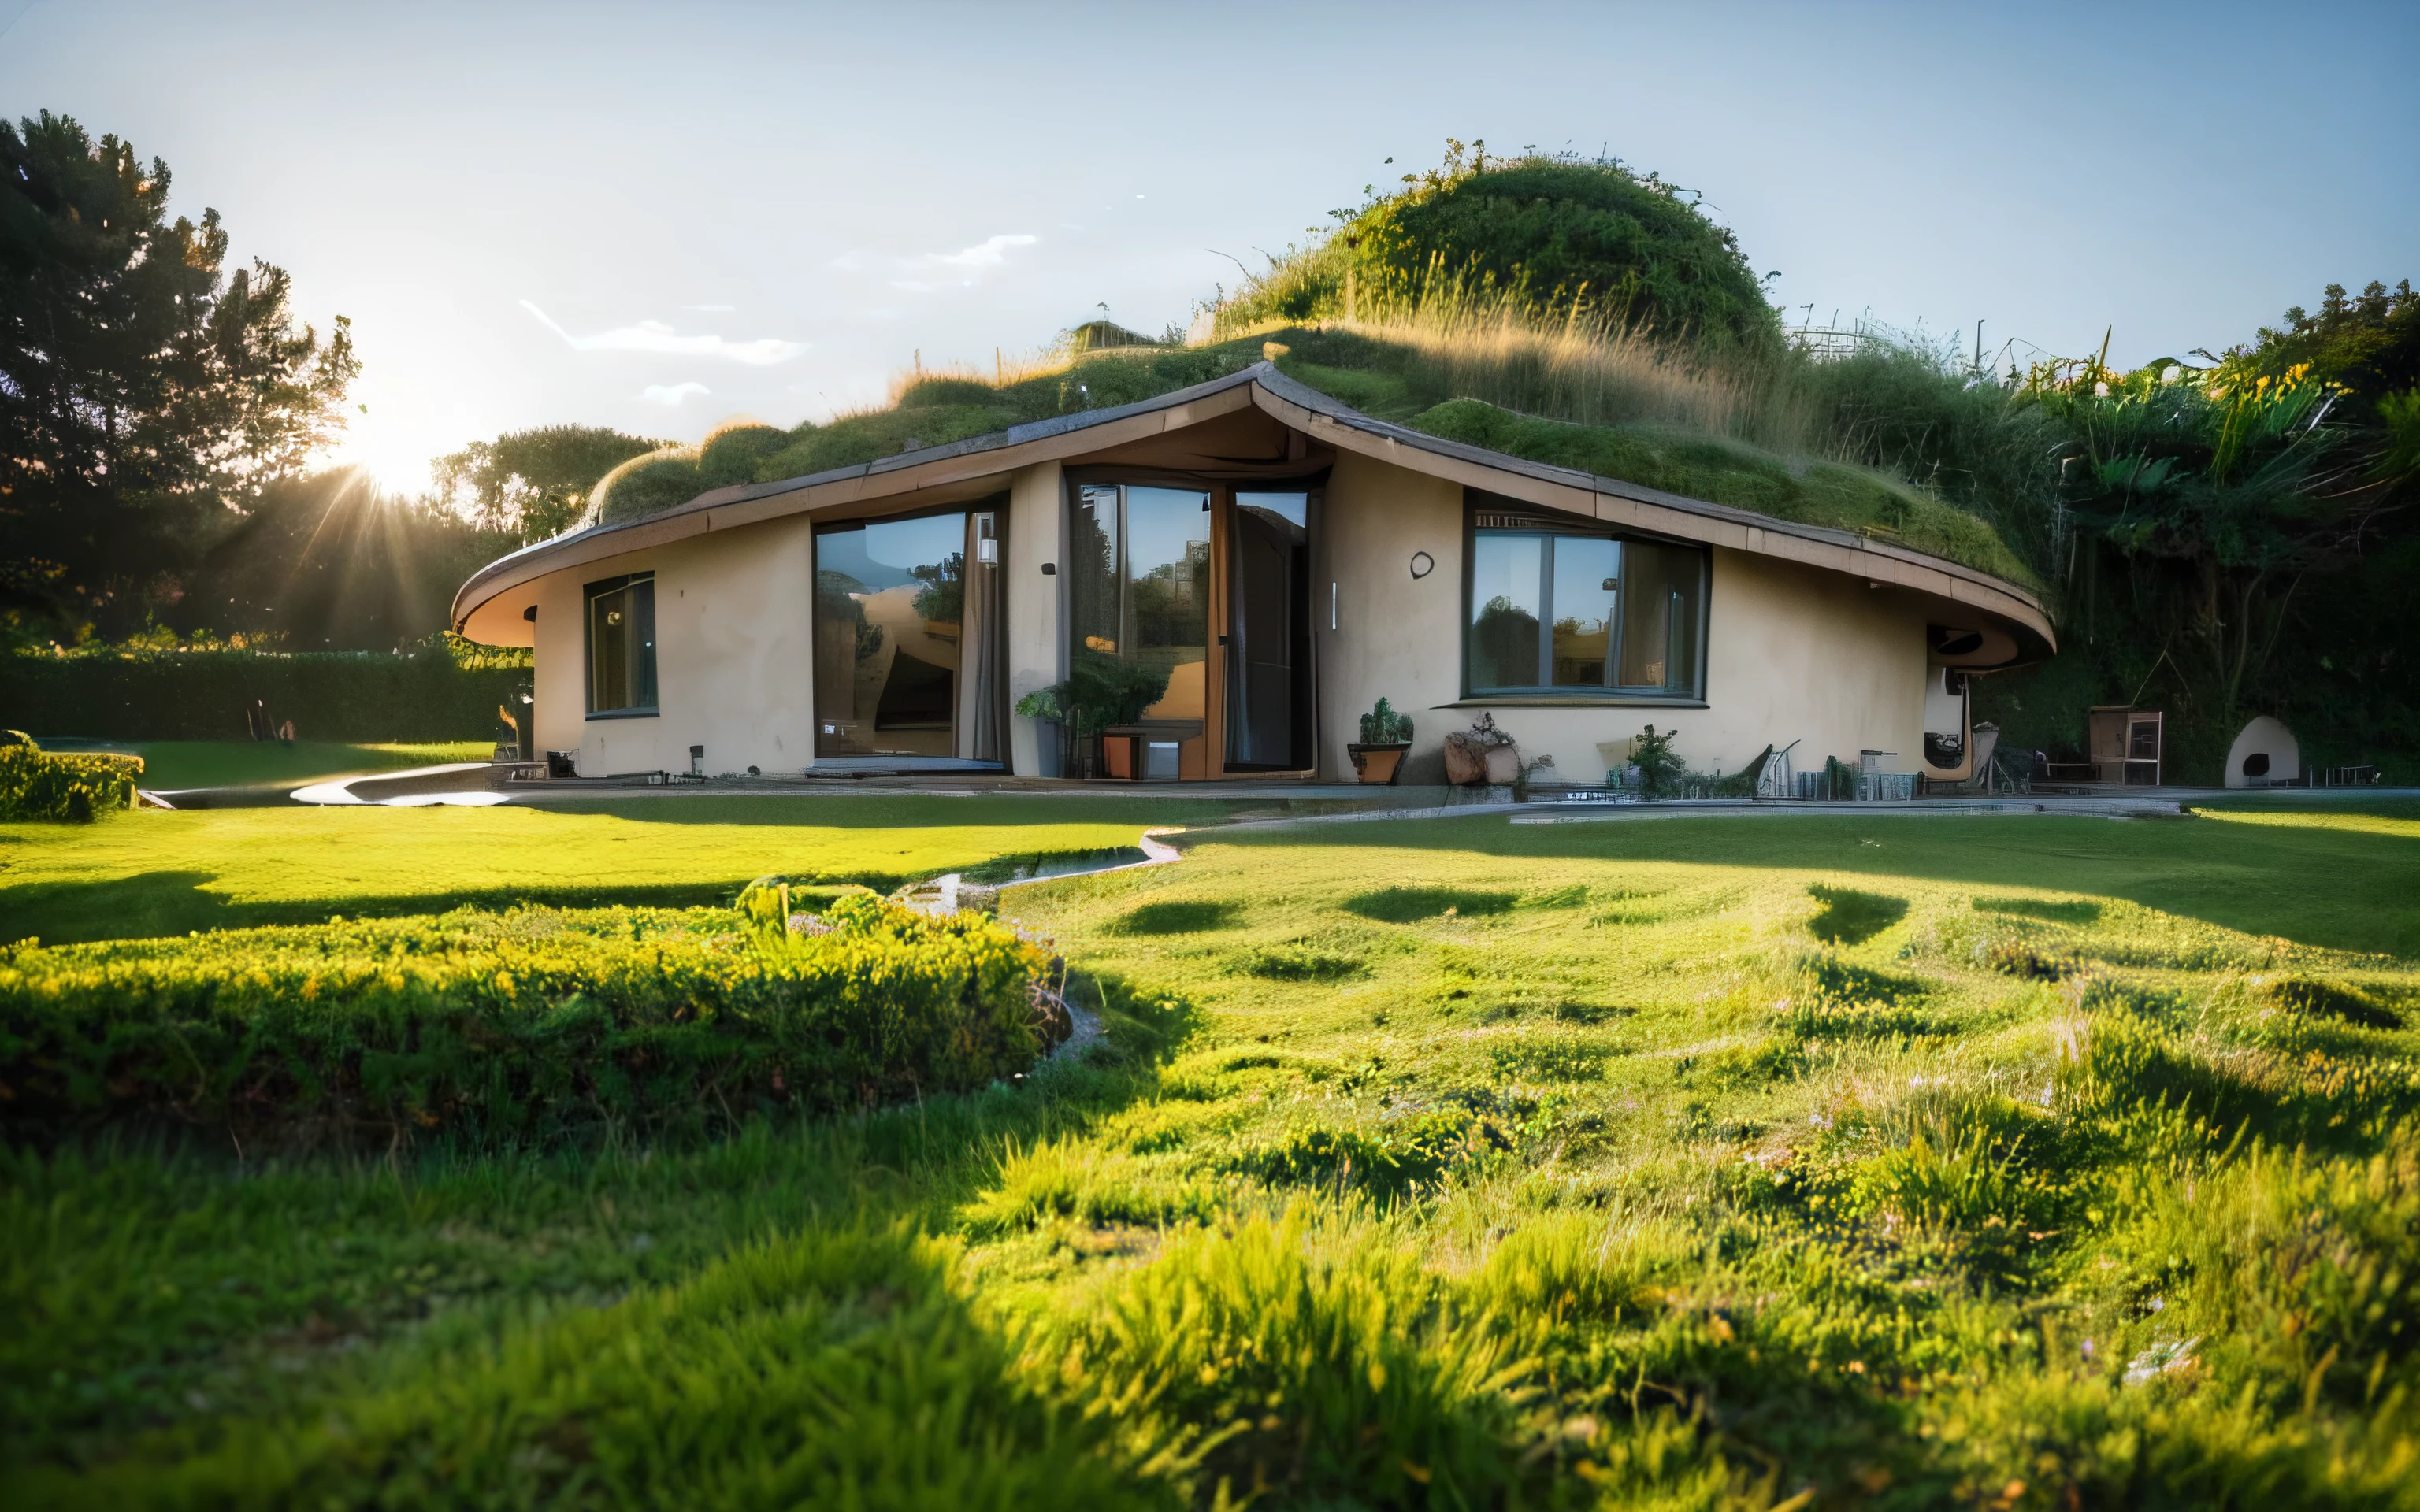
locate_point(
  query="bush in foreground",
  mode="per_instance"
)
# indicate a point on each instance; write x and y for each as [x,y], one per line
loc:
[40,784]
[530,1026]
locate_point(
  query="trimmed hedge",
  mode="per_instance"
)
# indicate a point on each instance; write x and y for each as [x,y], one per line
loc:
[73,786]
[202,695]
[531,1027]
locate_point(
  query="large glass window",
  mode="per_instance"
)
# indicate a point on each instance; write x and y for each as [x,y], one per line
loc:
[622,646]
[889,625]
[1553,610]
[1138,601]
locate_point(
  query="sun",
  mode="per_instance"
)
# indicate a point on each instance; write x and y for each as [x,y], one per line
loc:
[396,465]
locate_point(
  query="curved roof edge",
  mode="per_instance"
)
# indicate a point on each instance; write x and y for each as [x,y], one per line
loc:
[1262,386]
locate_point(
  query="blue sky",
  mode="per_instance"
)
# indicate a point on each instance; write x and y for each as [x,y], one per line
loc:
[654,217]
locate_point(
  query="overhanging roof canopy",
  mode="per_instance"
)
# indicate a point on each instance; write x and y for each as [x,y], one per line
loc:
[980,464]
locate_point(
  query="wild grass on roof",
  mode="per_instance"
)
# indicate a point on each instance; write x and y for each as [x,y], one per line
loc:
[1460,362]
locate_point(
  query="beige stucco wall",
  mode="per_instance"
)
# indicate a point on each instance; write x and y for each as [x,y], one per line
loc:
[734,612]
[1792,654]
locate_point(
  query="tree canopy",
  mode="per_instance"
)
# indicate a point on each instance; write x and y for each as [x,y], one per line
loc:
[145,389]
[534,483]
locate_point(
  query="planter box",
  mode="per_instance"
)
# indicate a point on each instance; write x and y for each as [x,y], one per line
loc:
[1378,765]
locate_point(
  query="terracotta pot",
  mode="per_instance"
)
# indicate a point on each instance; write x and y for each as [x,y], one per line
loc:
[1379,764]
[1503,765]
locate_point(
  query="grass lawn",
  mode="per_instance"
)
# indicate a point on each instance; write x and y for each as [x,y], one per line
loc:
[1810,1161]
[170,764]
[153,873]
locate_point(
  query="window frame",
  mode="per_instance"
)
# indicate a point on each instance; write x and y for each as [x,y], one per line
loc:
[1538,522]
[589,594]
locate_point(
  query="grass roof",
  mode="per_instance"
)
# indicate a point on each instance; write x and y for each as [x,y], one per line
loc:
[1636,419]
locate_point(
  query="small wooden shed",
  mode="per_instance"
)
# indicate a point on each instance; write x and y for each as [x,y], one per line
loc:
[2126,744]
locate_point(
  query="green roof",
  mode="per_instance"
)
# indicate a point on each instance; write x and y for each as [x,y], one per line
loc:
[1365,372]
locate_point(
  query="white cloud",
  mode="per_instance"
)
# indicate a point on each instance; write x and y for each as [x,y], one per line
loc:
[711,309]
[933,271]
[989,253]
[656,336]
[670,395]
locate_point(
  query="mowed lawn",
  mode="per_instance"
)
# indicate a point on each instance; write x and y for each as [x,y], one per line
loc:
[173,765]
[1807,1161]
[152,872]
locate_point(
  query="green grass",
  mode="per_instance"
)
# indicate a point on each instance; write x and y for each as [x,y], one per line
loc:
[1502,387]
[169,764]
[153,873]
[2008,1162]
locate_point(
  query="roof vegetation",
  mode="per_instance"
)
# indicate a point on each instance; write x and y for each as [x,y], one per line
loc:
[1633,344]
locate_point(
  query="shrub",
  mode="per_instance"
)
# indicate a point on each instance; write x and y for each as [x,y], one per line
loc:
[40,784]
[529,1025]
[202,694]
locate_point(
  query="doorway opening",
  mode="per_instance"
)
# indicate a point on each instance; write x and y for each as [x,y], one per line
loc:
[1188,644]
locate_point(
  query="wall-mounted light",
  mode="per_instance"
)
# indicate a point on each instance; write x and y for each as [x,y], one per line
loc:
[1050,569]
[1422,564]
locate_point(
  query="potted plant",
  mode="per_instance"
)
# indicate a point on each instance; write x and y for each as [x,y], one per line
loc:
[1386,735]
[1100,693]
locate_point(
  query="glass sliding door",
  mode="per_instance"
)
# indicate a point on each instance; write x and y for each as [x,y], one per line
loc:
[890,632]
[1268,712]
[1139,610]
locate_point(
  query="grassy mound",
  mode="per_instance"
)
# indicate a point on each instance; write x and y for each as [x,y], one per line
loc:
[1545,230]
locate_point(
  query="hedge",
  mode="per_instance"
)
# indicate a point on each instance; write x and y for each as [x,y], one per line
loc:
[531,1027]
[202,695]
[40,784]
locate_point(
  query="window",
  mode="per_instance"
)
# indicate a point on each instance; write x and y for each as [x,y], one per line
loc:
[891,601]
[1552,608]
[622,647]
[1138,599]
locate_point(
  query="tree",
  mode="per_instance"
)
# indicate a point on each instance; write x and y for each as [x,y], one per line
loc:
[144,391]
[2239,484]
[2369,344]
[534,483]
[329,563]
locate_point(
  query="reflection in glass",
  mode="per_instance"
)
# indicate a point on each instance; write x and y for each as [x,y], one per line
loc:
[1585,569]
[1659,617]
[1507,582]
[890,607]
[1167,583]
[1139,603]
[622,646]
[1623,614]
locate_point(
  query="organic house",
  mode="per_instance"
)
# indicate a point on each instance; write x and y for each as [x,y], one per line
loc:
[1215,583]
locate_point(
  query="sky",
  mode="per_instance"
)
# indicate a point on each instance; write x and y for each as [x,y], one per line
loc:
[655,217]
